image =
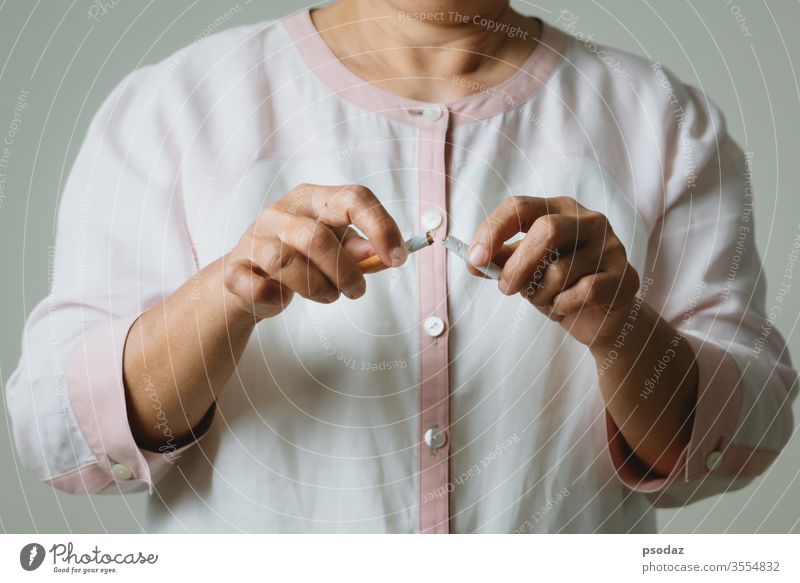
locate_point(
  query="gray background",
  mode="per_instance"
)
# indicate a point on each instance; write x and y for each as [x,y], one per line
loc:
[69,62]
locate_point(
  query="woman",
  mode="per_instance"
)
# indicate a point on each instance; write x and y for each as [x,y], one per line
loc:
[211,340]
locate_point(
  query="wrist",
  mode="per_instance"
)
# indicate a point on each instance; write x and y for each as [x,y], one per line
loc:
[627,330]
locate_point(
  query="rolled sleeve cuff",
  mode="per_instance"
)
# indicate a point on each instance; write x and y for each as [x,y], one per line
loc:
[97,397]
[716,418]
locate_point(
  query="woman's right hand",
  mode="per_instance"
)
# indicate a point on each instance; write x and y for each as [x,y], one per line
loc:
[187,346]
[296,244]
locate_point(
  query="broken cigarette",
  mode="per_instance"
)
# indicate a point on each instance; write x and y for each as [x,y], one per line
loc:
[374,264]
[458,247]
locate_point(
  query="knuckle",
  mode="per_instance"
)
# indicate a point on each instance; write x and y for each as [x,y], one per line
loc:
[266,221]
[518,204]
[318,242]
[299,195]
[383,222]
[274,257]
[304,236]
[357,193]
[592,293]
[246,241]
[614,252]
[567,204]
[544,230]
[303,189]
[597,220]
[560,270]
[231,279]
[615,246]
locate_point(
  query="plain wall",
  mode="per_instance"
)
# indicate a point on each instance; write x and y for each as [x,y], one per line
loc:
[739,52]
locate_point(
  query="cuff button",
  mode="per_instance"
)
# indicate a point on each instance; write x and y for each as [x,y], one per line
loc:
[121,472]
[713,461]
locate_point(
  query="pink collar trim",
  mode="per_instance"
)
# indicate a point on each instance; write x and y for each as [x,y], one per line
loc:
[510,94]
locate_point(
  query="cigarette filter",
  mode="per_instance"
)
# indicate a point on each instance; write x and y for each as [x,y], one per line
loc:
[374,264]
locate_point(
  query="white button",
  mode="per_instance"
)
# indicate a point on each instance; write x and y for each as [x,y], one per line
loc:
[431,219]
[122,472]
[713,460]
[431,113]
[434,326]
[435,438]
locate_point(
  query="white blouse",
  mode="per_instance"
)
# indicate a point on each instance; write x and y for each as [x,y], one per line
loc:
[434,403]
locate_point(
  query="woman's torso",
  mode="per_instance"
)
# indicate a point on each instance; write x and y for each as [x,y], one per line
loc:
[320,428]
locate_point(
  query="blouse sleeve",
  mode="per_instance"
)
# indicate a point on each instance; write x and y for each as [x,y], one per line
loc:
[122,245]
[704,277]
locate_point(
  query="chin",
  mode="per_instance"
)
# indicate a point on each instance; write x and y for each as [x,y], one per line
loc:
[466,8]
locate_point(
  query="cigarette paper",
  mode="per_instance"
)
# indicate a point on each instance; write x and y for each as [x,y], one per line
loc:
[459,248]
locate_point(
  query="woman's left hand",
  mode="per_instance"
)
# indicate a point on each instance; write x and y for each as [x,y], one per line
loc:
[570,264]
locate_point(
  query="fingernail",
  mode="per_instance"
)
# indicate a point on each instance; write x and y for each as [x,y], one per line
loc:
[398,256]
[479,255]
[332,296]
[502,285]
[356,291]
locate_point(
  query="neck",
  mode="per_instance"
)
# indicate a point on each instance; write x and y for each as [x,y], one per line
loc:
[424,54]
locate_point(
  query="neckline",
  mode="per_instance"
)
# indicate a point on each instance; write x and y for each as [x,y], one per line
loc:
[513,92]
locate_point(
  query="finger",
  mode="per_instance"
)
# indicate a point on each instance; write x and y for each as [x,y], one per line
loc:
[499,259]
[287,265]
[357,246]
[322,248]
[514,215]
[549,237]
[598,289]
[263,296]
[550,313]
[558,276]
[339,206]
[614,255]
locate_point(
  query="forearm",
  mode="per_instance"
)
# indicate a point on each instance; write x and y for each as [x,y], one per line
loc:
[650,388]
[179,355]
